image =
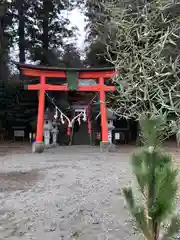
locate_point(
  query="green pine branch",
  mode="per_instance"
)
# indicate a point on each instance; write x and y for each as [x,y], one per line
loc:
[156,178]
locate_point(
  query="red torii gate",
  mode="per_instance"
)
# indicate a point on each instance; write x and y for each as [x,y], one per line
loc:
[44,72]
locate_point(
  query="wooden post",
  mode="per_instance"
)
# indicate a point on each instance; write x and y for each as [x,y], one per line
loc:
[41,107]
[104,126]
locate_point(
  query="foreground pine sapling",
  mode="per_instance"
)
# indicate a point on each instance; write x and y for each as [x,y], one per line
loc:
[156,178]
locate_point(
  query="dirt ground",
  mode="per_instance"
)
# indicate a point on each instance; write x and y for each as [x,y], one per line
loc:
[65,193]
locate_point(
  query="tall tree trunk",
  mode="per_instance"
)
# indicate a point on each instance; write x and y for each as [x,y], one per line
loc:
[3,45]
[3,64]
[21,30]
[45,36]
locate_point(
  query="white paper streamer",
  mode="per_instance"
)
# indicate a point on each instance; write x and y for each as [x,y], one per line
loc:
[56,114]
[84,116]
[62,119]
[79,120]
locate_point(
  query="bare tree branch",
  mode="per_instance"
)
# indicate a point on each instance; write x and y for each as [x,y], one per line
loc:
[144,38]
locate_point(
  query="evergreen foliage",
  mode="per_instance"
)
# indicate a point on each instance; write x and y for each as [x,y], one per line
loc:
[49,28]
[97,30]
[156,178]
[71,57]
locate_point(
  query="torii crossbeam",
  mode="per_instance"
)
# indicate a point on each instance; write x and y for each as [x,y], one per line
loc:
[44,72]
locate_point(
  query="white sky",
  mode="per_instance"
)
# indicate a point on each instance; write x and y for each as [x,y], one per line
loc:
[78,19]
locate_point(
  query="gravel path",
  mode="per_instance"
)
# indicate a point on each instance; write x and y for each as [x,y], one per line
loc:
[65,193]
